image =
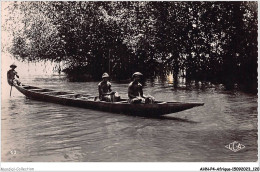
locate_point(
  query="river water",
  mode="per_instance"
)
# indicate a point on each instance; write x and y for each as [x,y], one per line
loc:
[34,131]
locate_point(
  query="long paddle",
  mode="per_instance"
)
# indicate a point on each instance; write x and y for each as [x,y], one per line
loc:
[11,90]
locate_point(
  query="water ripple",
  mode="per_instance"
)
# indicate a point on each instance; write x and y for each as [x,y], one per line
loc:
[42,131]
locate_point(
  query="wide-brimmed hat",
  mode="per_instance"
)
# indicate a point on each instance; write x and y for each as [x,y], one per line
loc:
[13,66]
[137,74]
[105,75]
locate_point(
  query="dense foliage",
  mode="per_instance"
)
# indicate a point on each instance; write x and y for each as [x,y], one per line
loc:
[213,41]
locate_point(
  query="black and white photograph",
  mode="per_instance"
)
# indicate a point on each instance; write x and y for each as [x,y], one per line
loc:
[129,81]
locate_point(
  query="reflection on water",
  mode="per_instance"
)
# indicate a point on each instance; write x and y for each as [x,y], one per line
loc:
[40,131]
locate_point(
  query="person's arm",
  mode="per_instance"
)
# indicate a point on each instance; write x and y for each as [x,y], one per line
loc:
[141,91]
[100,90]
[109,88]
[15,73]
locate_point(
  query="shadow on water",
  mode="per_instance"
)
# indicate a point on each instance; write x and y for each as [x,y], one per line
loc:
[169,118]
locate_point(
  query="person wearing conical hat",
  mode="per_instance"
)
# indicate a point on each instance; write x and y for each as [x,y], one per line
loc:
[11,76]
[105,91]
[135,91]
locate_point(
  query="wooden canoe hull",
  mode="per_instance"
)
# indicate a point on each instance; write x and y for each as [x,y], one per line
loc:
[156,109]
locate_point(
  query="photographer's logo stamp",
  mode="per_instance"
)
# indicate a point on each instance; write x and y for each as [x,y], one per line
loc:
[235,146]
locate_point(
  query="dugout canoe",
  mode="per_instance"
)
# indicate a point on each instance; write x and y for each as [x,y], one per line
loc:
[88,101]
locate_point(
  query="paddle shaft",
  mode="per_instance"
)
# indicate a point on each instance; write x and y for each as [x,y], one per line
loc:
[11,90]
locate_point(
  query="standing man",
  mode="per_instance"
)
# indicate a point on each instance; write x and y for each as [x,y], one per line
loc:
[11,74]
[105,91]
[135,91]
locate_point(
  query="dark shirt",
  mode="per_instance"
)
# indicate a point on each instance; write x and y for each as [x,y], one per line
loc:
[103,88]
[135,89]
[11,76]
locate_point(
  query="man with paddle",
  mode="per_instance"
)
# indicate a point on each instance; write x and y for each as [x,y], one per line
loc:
[135,91]
[11,76]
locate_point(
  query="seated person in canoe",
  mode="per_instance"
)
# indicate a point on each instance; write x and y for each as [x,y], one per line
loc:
[11,76]
[105,91]
[135,91]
